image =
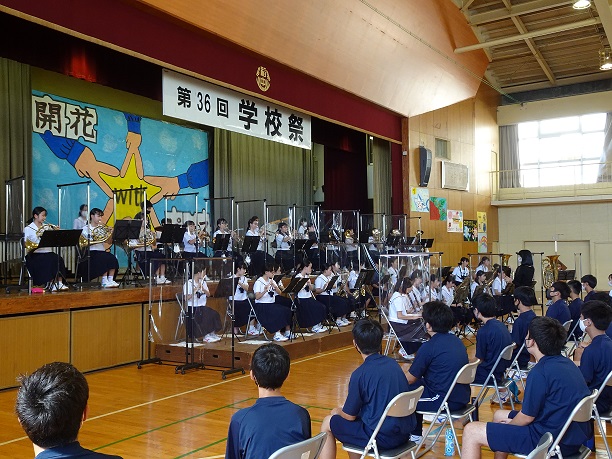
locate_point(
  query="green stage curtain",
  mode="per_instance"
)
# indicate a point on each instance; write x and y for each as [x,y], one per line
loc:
[381,158]
[15,129]
[252,168]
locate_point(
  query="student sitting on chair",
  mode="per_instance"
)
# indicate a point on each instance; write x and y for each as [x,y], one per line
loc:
[595,360]
[205,320]
[437,364]
[371,387]
[574,307]
[559,292]
[273,422]
[491,339]
[524,299]
[554,387]
[405,318]
[273,316]
[241,302]
[589,282]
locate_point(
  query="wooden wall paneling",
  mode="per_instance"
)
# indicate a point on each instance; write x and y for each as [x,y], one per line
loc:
[440,120]
[27,342]
[467,121]
[454,127]
[104,337]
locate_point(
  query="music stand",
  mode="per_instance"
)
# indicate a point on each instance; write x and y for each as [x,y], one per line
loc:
[296,284]
[221,242]
[393,241]
[226,288]
[302,245]
[171,234]
[277,278]
[250,244]
[57,239]
[123,231]
[427,243]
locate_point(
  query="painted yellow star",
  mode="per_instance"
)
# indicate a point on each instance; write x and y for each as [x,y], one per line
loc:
[128,203]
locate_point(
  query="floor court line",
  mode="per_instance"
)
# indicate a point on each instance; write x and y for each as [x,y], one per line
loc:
[180,394]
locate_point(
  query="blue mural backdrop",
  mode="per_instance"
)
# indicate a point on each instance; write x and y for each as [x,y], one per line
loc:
[75,141]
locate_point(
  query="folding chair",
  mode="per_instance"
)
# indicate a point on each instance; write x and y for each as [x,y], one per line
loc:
[465,375]
[541,450]
[605,417]
[253,315]
[491,382]
[310,448]
[514,371]
[392,336]
[581,413]
[568,351]
[400,406]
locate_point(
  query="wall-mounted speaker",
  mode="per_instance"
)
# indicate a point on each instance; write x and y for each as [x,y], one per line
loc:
[425,159]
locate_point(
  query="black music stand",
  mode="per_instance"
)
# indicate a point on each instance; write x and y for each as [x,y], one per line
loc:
[296,284]
[250,244]
[171,234]
[302,245]
[221,243]
[58,239]
[393,241]
[427,243]
[226,288]
[330,320]
[123,232]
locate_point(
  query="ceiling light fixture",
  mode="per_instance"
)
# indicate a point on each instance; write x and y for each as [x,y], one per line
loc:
[581,4]
[605,59]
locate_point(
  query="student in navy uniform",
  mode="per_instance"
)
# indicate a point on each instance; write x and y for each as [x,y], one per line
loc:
[596,358]
[491,339]
[371,387]
[589,282]
[554,387]
[437,363]
[575,306]
[559,292]
[273,422]
[524,299]
[51,407]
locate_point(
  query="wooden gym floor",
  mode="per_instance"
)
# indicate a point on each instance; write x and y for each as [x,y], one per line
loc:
[155,413]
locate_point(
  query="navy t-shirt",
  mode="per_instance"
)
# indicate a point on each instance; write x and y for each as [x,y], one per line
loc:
[554,387]
[491,339]
[520,327]
[437,364]
[73,449]
[595,364]
[371,387]
[559,310]
[269,425]
[574,308]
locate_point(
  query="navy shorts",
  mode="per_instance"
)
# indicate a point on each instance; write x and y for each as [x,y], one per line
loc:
[350,432]
[509,438]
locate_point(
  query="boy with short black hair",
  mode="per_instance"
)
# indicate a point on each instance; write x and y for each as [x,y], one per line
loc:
[273,422]
[436,365]
[559,292]
[524,299]
[589,282]
[51,408]
[554,388]
[491,339]
[595,360]
[371,387]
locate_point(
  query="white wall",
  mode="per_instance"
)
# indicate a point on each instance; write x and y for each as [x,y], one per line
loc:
[584,227]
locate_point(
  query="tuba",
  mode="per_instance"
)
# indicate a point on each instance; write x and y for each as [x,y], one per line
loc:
[376,233]
[99,234]
[550,270]
[505,258]
[30,246]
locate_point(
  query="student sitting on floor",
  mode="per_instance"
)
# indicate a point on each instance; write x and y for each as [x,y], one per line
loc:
[273,422]
[554,387]
[371,387]
[437,364]
[491,339]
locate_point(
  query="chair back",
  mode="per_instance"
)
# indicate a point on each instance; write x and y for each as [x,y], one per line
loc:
[404,404]
[581,413]
[541,450]
[307,449]
[514,362]
[606,382]
[465,375]
[567,326]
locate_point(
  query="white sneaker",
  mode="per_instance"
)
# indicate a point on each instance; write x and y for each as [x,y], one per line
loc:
[111,284]
[339,322]
[215,337]
[208,339]
[416,438]
[62,286]
[319,328]
[430,418]
[162,280]
[279,337]
[346,322]
[469,329]
[253,331]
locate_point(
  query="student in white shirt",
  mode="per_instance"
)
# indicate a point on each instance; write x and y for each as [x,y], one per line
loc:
[81,220]
[461,271]
[205,320]
[241,302]
[325,293]
[405,317]
[311,313]
[101,263]
[272,316]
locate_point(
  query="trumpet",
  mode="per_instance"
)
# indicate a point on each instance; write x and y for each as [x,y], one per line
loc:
[31,245]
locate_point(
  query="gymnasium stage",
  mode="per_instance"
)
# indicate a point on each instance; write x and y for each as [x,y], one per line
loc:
[102,328]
